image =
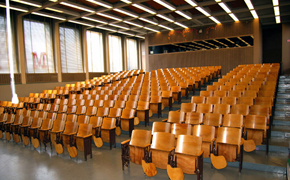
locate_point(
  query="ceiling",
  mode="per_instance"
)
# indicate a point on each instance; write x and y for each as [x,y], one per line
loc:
[129,17]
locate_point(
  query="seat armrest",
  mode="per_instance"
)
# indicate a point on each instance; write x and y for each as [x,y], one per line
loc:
[83,136]
[125,142]
[164,120]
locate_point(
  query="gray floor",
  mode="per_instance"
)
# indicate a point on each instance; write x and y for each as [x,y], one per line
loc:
[23,163]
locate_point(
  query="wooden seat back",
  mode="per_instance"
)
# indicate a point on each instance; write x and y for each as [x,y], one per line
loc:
[229,100]
[109,123]
[99,103]
[222,108]
[27,121]
[256,122]
[46,124]
[155,99]
[70,127]
[96,121]
[84,130]
[212,88]
[240,109]
[213,100]
[91,111]
[163,141]
[189,145]
[109,103]
[89,103]
[198,99]
[250,93]
[36,122]
[206,93]
[233,120]
[178,129]
[228,135]
[220,93]
[131,104]
[175,117]
[128,114]
[103,112]
[206,132]
[260,110]
[161,127]
[80,102]
[115,112]
[246,100]
[140,138]
[18,120]
[188,107]
[71,118]
[194,118]
[120,104]
[123,98]
[204,108]
[166,94]
[83,119]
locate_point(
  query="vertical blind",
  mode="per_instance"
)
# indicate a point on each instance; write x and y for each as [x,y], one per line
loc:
[115,53]
[95,51]
[132,57]
[4,59]
[38,46]
[70,49]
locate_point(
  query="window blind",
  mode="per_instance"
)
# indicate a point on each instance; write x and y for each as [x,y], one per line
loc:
[95,51]
[132,57]
[115,53]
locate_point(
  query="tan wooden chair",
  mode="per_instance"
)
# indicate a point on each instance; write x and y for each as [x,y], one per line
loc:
[113,97]
[6,126]
[120,104]
[56,116]
[198,99]
[131,105]
[33,131]
[256,129]
[246,100]
[220,94]
[206,93]
[193,118]
[109,103]
[127,120]
[175,117]
[176,93]
[188,155]
[240,109]
[162,145]
[24,129]
[80,102]
[180,129]
[222,108]
[250,93]
[184,89]
[71,118]
[235,121]
[167,99]
[43,131]
[213,100]
[54,108]
[156,105]
[207,133]
[161,127]
[99,103]
[84,139]
[108,131]
[204,108]
[229,100]
[213,119]
[103,112]
[91,111]
[67,137]
[235,94]
[144,98]
[83,119]
[263,110]
[15,127]
[133,97]
[230,145]
[142,111]
[212,88]
[133,150]
[71,109]
[226,88]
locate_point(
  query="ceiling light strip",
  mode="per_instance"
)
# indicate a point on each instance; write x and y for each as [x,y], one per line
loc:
[164,17]
[165,27]
[151,29]
[77,6]
[81,23]
[126,12]
[183,14]
[179,24]
[101,3]
[110,16]
[251,8]
[49,15]
[30,3]
[149,21]
[276,11]
[165,4]
[144,8]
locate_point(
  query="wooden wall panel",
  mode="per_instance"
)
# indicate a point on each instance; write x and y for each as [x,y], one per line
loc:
[227,58]
[5,78]
[41,77]
[210,32]
[73,77]
[92,75]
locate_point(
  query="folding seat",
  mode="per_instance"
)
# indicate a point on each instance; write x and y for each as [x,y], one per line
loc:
[108,131]
[256,130]
[212,88]
[156,105]
[156,93]
[193,118]
[123,97]
[198,99]
[189,153]
[43,131]
[144,98]
[127,120]
[142,112]
[230,145]
[96,123]
[254,87]
[91,111]
[206,93]
[71,118]
[246,100]
[204,108]
[180,129]
[235,94]
[133,97]
[240,88]
[120,104]
[207,133]
[176,93]
[26,123]
[89,103]
[33,114]
[6,126]
[220,94]
[83,119]
[213,100]
[250,93]
[99,103]
[184,89]
[33,131]
[63,109]
[167,99]
[263,110]
[240,109]
[72,102]
[235,121]
[133,150]
[67,137]
[131,105]
[103,112]
[175,117]
[42,114]
[113,97]
[62,117]
[226,88]
[103,97]
[229,100]
[87,96]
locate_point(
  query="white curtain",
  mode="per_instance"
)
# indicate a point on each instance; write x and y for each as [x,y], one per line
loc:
[132,57]
[115,53]
[95,51]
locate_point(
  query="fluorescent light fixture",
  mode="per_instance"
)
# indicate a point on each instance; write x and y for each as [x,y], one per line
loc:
[214,19]
[132,23]
[165,4]
[14,8]
[234,17]
[142,37]
[55,10]
[249,4]
[151,29]
[78,6]
[30,3]
[164,17]
[165,27]
[127,1]
[129,34]
[108,29]
[225,7]
[277,11]
[183,14]
[53,0]
[110,16]
[126,12]
[48,15]
[254,14]
[218,1]
[179,24]
[191,3]
[101,3]
[119,26]
[275,2]
[81,23]
[203,11]
[278,20]
[95,20]
[149,21]
[144,8]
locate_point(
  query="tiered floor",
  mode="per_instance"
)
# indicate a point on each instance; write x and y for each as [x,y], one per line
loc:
[19,162]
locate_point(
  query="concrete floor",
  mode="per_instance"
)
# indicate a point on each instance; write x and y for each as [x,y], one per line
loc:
[23,163]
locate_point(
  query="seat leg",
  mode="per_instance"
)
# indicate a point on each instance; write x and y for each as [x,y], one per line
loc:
[159,110]
[170,103]
[131,126]
[146,117]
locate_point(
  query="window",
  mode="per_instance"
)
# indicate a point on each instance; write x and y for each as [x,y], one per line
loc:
[95,51]
[70,48]
[4,60]
[38,46]
[115,53]
[132,57]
